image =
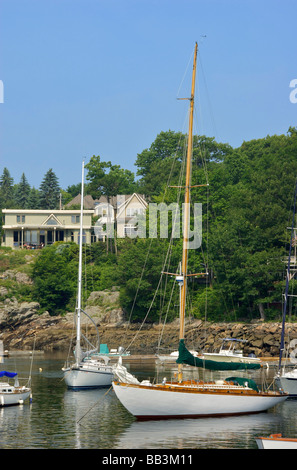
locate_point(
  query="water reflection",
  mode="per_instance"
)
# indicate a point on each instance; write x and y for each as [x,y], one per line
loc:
[94,419]
[97,417]
[232,432]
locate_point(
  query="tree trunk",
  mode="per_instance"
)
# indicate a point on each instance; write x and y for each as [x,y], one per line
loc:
[261,310]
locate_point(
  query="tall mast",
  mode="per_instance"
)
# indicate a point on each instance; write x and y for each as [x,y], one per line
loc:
[282,344]
[187,209]
[78,348]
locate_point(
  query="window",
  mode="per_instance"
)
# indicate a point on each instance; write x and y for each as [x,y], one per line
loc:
[20,219]
[30,236]
[129,230]
[84,238]
[52,221]
[131,211]
[34,236]
[75,219]
[16,237]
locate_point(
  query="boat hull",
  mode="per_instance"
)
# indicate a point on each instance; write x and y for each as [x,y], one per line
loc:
[157,402]
[17,397]
[273,442]
[82,378]
[230,358]
[288,384]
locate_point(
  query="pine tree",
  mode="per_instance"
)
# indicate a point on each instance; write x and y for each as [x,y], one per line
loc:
[6,190]
[49,191]
[33,199]
[22,192]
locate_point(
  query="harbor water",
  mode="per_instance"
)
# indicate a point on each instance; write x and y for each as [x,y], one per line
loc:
[58,418]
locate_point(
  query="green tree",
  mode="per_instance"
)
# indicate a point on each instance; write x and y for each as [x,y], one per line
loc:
[73,190]
[247,235]
[49,191]
[107,179]
[22,192]
[160,165]
[55,277]
[6,190]
[33,201]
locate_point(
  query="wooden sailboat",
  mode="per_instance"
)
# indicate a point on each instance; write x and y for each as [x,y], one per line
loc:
[90,369]
[189,399]
[287,380]
[276,441]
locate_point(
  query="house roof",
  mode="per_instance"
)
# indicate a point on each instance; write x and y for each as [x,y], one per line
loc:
[88,201]
[115,201]
[125,204]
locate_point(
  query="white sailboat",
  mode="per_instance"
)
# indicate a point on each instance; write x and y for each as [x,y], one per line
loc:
[287,379]
[194,398]
[12,394]
[229,352]
[87,371]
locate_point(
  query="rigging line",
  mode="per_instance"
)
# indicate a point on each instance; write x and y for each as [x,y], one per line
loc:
[208,196]
[181,174]
[72,336]
[176,220]
[224,263]
[207,267]
[199,114]
[140,279]
[168,305]
[143,269]
[175,158]
[207,95]
[152,302]
[170,247]
[186,71]
[96,403]
[155,294]
[205,258]
[166,188]
[134,301]
[30,373]
[147,314]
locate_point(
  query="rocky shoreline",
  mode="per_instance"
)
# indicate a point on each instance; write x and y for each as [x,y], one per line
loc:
[22,327]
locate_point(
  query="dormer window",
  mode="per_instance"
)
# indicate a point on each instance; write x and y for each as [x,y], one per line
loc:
[51,221]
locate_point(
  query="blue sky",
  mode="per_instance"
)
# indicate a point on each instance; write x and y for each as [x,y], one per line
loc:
[101,77]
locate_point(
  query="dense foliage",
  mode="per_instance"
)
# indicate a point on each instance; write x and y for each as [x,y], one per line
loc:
[247,209]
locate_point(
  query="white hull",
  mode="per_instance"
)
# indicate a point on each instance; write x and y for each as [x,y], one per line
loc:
[16,397]
[274,442]
[230,358]
[160,402]
[88,375]
[288,383]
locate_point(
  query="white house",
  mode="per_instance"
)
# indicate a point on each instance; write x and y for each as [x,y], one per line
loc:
[37,228]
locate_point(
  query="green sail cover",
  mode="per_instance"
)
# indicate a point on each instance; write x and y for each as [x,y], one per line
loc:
[185,357]
[244,382]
